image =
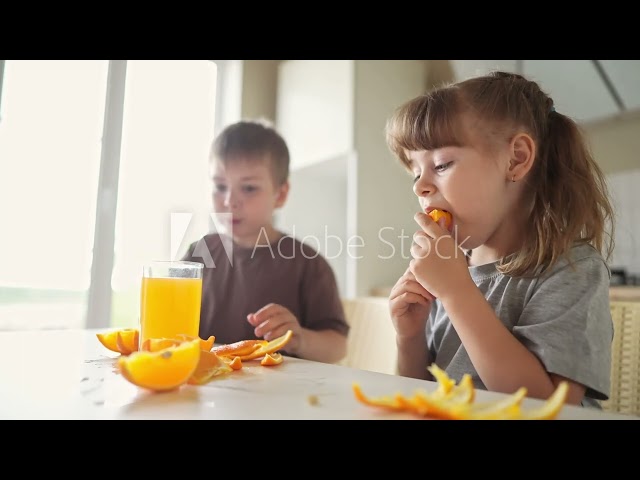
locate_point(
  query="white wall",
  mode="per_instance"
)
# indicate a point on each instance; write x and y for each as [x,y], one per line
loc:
[259,87]
[385,199]
[315,108]
[316,212]
[616,143]
[333,115]
[624,192]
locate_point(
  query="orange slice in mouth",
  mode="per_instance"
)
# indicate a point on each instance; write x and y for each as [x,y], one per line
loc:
[436,215]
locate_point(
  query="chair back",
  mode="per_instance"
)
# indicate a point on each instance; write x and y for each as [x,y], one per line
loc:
[372,338]
[625,359]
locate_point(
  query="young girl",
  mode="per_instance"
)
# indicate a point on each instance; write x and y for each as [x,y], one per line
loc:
[517,292]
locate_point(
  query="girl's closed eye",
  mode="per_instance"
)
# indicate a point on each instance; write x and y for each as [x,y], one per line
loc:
[442,167]
[416,178]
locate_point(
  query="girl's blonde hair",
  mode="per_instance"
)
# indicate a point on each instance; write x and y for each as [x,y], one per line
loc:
[568,189]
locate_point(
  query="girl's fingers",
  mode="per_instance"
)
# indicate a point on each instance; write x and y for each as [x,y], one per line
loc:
[408,298]
[428,226]
[411,286]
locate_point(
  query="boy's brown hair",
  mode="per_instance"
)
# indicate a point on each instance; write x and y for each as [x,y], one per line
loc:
[566,186]
[253,139]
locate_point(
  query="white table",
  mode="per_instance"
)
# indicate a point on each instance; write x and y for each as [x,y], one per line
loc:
[68,374]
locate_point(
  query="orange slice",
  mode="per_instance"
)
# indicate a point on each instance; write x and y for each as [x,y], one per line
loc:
[164,370]
[204,344]
[270,347]
[129,339]
[436,215]
[157,344]
[271,359]
[237,349]
[127,344]
[210,365]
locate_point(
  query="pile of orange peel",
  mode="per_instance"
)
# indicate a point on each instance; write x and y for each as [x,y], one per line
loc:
[451,401]
[164,364]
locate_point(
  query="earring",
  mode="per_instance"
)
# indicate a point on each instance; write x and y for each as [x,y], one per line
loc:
[513,178]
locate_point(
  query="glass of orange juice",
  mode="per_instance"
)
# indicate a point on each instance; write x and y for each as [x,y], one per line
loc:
[170,299]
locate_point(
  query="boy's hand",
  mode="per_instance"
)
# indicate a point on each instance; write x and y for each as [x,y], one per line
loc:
[273,321]
[438,264]
[409,305]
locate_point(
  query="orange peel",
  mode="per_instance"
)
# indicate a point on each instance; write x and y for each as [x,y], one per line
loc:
[235,364]
[238,349]
[270,347]
[163,364]
[456,402]
[209,366]
[551,408]
[271,359]
[390,403]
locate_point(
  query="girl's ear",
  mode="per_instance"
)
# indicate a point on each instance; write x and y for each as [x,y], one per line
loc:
[523,153]
[282,194]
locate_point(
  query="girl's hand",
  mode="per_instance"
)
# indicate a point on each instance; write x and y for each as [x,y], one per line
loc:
[438,264]
[409,305]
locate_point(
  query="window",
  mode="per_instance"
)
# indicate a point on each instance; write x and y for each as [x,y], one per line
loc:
[50,128]
[167,131]
[65,174]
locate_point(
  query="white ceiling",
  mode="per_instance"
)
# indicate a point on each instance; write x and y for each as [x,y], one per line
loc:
[585,90]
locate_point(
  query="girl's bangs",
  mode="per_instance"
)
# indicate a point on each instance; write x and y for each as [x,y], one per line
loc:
[426,123]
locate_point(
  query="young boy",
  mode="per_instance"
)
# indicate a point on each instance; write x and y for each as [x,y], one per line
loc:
[257,281]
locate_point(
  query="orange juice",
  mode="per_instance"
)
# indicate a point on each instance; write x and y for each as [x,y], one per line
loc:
[169,306]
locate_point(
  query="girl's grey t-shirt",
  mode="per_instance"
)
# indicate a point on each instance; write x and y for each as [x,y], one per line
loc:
[563,317]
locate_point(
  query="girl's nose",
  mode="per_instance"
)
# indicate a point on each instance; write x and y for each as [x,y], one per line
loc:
[423,187]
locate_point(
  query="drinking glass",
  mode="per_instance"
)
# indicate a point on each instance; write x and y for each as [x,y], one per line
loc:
[170,299]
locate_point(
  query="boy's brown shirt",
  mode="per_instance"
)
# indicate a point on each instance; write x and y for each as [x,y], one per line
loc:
[286,272]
